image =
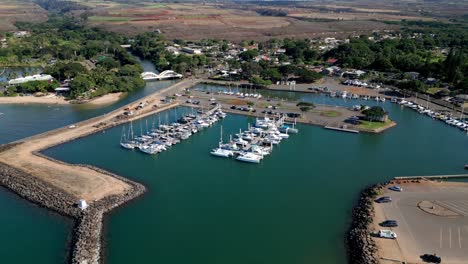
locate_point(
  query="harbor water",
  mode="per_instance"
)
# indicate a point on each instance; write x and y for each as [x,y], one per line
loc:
[293,207]
[30,234]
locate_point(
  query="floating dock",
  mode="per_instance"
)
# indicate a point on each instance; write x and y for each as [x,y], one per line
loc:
[342,129]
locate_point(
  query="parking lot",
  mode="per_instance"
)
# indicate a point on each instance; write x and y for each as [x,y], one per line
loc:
[442,229]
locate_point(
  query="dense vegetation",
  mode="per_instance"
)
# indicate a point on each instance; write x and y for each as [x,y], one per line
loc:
[375,113]
[272,12]
[60,6]
[418,50]
[153,46]
[91,59]
[261,72]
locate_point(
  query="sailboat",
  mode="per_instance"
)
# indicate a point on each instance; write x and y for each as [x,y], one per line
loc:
[124,142]
[221,152]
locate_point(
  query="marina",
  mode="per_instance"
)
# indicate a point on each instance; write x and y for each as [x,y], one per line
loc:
[253,144]
[343,98]
[160,138]
[189,180]
[228,201]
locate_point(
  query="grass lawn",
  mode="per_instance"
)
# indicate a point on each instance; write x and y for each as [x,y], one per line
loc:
[156,6]
[373,125]
[433,90]
[108,19]
[330,113]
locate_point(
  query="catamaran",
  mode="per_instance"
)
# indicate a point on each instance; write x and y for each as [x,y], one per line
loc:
[249,157]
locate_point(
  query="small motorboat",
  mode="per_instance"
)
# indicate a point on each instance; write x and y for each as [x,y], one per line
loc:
[466,166]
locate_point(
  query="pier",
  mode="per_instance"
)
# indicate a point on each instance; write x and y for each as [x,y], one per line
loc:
[59,186]
[433,177]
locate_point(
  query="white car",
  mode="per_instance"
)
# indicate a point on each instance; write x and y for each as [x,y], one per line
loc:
[387,234]
[396,188]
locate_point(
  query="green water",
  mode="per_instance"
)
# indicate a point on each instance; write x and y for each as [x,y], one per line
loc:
[30,234]
[294,207]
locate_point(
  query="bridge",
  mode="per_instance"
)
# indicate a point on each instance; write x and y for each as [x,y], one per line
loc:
[148,76]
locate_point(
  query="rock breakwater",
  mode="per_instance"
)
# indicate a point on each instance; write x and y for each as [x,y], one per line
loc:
[361,248]
[87,234]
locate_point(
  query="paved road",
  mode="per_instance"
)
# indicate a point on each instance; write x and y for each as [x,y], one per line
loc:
[420,232]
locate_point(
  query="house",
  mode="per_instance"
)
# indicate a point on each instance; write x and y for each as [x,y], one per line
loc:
[331,61]
[173,50]
[354,74]
[333,70]
[431,81]
[20,34]
[412,75]
[280,51]
[461,98]
[191,50]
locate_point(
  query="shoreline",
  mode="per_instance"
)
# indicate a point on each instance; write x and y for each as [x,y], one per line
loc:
[360,246]
[52,99]
[87,224]
[87,239]
[58,194]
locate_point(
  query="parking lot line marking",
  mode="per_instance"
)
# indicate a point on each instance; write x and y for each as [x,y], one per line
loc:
[454,207]
[459,237]
[450,237]
[440,240]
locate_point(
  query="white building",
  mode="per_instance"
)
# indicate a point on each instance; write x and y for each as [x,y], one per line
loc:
[82,204]
[191,50]
[37,77]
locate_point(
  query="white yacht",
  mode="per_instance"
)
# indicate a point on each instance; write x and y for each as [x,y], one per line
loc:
[249,157]
[221,152]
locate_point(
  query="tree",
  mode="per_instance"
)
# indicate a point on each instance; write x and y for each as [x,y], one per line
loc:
[249,69]
[307,76]
[259,81]
[80,85]
[249,54]
[375,113]
[271,74]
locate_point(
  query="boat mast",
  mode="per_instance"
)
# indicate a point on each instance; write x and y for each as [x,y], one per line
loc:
[463,109]
[221,137]
[427,105]
[131,129]
[122,136]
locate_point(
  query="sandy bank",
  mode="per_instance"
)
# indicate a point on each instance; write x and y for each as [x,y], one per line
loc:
[105,99]
[48,99]
[58,100]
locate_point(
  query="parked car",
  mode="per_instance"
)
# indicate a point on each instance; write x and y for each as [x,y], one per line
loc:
[396,188]
[387,234]
[293,115]
[431,258]
[389,223]
[384,199]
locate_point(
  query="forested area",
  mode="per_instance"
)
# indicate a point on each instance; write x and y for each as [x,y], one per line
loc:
[153,46]
[418,50]
[91,59]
